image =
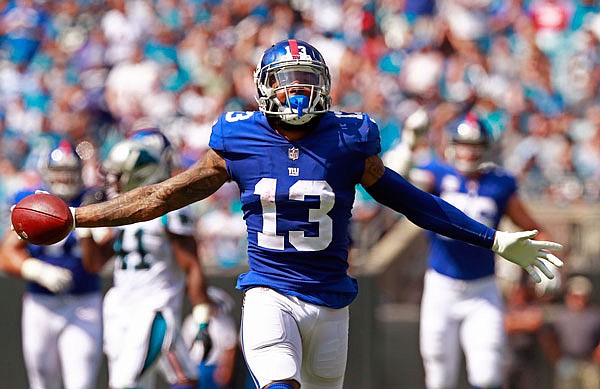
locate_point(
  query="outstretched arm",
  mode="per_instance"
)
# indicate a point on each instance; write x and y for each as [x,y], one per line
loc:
[149,202]
[432,213]
[423,209]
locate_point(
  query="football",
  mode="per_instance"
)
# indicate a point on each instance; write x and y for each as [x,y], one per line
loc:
[42,219]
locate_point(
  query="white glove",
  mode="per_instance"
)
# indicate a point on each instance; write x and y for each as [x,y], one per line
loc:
[96,233]
[399,159]
[72,209]
[83,233]
[12,228]
[415,127]
[54,278]
[520,248]
[201,314]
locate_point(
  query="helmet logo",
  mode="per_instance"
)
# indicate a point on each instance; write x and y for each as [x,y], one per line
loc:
[293,46]
[293,153]
[295,52]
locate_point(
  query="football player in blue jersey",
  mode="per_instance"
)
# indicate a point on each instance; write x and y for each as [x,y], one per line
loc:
[61,316]
[462,305]
[297,164]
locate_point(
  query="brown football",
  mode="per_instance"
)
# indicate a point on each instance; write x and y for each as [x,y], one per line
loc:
[42,219]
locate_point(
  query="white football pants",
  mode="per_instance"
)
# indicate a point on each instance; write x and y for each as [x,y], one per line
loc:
[62,337]
[457,313]
[127,333]
[285,338]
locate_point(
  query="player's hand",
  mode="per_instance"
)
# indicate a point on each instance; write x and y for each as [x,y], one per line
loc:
[72,209]
[201,315]
[12,228]
[54,278]
[520,248]
[415,128]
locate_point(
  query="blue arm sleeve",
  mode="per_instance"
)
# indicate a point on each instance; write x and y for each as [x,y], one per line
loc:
[428,211]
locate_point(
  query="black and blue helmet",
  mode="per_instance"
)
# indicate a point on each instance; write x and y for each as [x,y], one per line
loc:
[469,143]
[470,129]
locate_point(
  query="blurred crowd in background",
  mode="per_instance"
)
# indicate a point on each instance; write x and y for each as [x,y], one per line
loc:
[93,70]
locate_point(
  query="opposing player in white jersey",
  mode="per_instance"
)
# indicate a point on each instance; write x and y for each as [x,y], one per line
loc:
[154,262]
[462,305]
[297,165]
[61,318]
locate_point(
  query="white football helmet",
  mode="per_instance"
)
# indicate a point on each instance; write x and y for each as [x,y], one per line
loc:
[142,159]
[63,172]
[293,82]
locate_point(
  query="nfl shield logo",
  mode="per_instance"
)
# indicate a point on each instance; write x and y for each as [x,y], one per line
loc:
[293,153]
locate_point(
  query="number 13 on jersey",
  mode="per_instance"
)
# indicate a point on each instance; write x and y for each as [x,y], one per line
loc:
[269,237]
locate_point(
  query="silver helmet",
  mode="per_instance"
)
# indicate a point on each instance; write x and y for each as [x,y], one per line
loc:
[142,159]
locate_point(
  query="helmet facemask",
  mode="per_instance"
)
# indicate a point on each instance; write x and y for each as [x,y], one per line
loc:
[467,158]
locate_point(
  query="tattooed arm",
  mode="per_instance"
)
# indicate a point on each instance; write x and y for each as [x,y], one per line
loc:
[374,170]
[149,202]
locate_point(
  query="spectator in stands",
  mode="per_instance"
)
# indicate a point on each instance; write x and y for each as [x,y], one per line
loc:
[22,24]
[523,319]
[572,341]
[537,158]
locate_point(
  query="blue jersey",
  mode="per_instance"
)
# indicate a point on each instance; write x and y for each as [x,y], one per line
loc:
[66,254]
[297,199]
[483,199]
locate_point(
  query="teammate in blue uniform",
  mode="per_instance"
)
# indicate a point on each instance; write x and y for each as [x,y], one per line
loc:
[297,164]
[462,305]
[61,317]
